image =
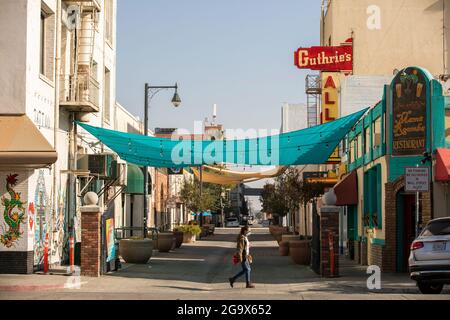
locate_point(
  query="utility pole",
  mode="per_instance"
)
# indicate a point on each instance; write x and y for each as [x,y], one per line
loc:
[201,194]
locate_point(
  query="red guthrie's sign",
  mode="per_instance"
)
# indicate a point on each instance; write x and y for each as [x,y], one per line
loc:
[325,58]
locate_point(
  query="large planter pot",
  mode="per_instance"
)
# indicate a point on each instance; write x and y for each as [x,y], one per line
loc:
[188,237]
[284,248]
[178,238]
[300,251]
[136,251]
[165,242]
[289,237]
[205,231]
[277,235]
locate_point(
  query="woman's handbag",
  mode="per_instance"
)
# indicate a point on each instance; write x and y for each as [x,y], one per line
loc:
[235,259]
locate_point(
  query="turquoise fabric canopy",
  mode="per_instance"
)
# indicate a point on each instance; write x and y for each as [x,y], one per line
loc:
[308,146]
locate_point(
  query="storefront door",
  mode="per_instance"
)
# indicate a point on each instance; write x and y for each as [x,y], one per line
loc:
[406,207]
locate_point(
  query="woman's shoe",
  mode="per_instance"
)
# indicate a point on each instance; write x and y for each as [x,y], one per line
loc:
[249,285]
[231,281]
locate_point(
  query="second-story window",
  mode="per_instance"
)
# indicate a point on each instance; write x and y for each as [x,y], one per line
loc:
[377,133]
[46,42]
[107,96]
[359,146]
[367,140]
[109,20]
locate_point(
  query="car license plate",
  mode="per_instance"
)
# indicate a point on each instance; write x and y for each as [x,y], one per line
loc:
[439,246]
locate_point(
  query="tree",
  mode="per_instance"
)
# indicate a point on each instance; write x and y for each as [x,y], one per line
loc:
[310,192]
[287,194]
[272,200]
[210,199]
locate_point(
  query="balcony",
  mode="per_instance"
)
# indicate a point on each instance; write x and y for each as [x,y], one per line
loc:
[79,94]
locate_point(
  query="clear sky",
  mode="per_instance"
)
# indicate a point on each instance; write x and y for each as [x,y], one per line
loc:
[238,54]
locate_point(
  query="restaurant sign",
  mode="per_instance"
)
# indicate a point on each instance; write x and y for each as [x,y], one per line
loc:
[338,58]
[330,105]
[409,113]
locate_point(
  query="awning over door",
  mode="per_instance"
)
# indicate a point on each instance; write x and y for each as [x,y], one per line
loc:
[442,165]
[135,180]
[22,145]
[346,190]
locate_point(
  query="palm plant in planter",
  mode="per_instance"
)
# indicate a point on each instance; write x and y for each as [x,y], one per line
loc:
[190,231]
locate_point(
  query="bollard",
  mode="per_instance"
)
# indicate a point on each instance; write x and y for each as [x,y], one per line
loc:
[46,254]
[72,254]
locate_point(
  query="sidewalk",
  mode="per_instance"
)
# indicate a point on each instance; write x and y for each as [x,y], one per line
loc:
[200,271]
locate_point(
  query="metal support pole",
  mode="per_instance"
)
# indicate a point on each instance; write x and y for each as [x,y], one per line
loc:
[417,214]
[146,168]
[201,193]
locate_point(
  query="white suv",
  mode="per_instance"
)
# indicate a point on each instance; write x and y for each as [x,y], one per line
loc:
[232,222]
[429,261]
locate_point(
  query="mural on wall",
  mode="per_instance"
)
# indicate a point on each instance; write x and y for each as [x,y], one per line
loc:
[59,223]
[43,210]
[409,113]
[13,214]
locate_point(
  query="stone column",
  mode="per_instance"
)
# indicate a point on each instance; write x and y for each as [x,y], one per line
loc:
[329,236]
[90,236]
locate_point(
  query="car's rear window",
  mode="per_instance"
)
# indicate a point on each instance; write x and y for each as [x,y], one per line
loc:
[437,228]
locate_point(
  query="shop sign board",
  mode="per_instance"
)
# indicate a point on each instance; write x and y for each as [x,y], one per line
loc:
[417,179]
[409,113]
[330,105]
[336,58]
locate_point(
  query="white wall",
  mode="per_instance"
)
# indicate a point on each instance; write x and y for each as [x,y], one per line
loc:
[294,117]
[13,42]
[359,92]
[389,34]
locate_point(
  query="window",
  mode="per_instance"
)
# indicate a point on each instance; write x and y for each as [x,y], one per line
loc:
[42,44]
[109,20]
[372,198]
[447,124]
[47,42]
[94,72]
[376,133]
[107,96]
[359,146]
[367,140]
[353,151]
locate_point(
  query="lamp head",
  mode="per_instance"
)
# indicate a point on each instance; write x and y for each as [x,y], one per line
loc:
[176,101]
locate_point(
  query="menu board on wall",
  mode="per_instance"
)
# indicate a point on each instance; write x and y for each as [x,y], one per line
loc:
[409,113]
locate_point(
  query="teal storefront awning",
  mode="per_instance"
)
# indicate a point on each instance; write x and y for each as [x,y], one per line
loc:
[308,146]
[205,214]
[135,180]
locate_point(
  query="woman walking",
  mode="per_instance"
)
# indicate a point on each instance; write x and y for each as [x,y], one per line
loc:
[243,253]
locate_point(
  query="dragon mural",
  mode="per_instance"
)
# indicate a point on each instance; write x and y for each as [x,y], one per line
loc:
[14,213]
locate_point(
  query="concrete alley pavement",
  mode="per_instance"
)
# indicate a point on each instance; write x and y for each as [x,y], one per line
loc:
[200,271]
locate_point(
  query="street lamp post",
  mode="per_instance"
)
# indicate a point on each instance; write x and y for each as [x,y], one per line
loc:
[176,101]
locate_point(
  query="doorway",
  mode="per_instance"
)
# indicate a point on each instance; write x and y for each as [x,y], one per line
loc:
[406,208]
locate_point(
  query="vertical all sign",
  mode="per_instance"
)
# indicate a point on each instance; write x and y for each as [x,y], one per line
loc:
[330,105]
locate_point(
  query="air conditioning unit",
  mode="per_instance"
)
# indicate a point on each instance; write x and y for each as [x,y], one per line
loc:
[119,173]
[71,17]
[99,165]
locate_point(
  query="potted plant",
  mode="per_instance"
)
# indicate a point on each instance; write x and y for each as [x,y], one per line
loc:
[300,251]
[165,241]
[136,249]
[178,237]
[190,231]
[284,248]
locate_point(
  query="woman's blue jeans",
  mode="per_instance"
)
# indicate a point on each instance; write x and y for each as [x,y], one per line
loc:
[245,270]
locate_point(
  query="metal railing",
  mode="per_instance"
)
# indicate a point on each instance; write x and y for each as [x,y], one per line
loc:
[79,89]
